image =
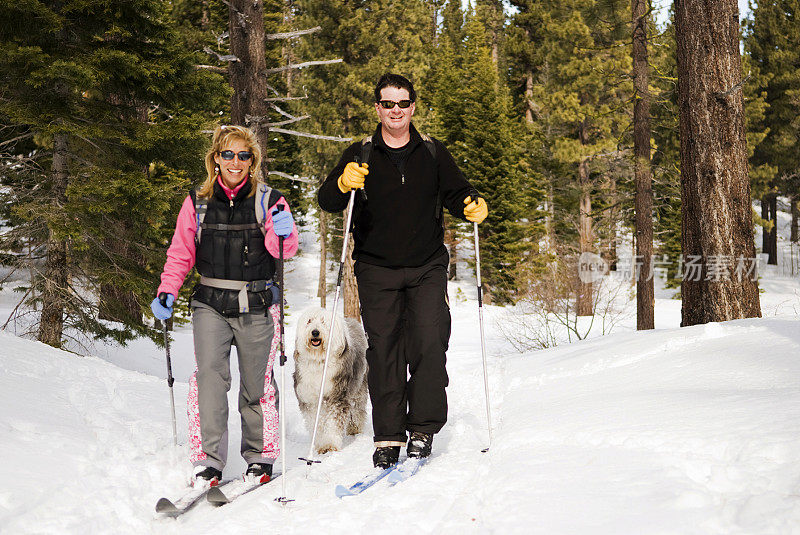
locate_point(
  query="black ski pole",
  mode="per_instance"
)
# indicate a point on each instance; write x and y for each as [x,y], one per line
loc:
[170,382]
[483,338]
[282,362]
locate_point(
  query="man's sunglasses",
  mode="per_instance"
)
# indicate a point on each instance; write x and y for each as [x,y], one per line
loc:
[389,104]
[229,154]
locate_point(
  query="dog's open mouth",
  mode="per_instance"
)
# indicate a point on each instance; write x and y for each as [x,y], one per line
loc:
[315,342]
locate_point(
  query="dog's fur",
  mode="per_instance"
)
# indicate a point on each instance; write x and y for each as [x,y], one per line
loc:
[344,398]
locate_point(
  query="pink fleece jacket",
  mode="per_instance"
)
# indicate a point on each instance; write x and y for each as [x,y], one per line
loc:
[181,252]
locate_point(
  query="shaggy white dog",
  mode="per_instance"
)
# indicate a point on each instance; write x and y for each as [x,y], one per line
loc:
[344,398]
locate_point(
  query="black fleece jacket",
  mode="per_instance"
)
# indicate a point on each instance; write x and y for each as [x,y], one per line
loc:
[396,223]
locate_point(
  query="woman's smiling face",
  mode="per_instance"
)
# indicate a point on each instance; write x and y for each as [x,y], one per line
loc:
[235,170]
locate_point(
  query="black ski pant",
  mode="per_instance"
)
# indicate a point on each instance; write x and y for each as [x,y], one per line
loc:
[407,320]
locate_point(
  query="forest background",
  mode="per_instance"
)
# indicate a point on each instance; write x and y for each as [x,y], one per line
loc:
[107,106]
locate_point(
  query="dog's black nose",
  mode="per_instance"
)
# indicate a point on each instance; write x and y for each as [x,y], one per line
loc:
[315,333]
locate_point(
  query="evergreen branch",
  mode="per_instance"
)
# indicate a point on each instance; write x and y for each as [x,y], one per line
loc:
[287,35]
[306,134]
[301,65]
[294,177]
[226,58]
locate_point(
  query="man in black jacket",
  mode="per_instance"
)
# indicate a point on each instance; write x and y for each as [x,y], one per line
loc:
[401,266]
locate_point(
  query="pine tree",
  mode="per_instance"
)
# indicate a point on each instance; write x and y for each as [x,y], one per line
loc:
[717,215]
[579,86]
[488,147]
[111,103]
[772,55]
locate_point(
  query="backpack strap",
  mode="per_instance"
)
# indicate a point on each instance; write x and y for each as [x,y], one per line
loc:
[366,149]
[263,202]
[265,197]
[200,209]
[431,146]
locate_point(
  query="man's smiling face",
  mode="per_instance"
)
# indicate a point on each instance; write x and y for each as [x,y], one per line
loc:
[396,121]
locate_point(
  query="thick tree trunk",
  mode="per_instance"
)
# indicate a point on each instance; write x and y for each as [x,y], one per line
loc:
[645,296]
[248,104]
[322,286]
[795,219]
[717,226]
[51,324]
[352,308]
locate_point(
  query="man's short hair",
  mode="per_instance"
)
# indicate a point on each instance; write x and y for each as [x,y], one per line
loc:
[395,80]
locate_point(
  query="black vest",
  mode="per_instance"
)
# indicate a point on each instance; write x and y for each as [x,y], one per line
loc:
[232,247]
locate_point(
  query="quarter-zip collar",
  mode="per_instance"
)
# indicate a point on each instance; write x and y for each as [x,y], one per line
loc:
[231,194]
[416,139]
[227,194]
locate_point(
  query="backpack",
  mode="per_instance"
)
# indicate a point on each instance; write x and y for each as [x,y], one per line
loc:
[265,197]
[366,151]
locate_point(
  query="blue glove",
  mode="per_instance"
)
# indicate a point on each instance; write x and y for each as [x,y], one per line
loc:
[282,223]
[162,306]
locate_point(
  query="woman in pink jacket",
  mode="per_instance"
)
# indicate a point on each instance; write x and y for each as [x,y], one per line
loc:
[219,232]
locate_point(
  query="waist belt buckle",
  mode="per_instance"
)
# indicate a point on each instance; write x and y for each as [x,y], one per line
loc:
[257,286]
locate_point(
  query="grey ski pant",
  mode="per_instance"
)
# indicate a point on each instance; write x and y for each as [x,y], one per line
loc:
[254,336]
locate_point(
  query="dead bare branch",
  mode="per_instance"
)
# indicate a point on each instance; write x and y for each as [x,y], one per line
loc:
[287,35]
[306,134]
[301,65]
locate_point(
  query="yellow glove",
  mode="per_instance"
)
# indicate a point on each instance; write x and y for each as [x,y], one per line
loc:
[476,211]
[352,177]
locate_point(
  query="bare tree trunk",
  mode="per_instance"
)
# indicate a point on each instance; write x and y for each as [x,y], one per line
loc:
[795,223]
[248,104]
[51,324]
[645,295]
[352,308]
[764,228]
[322,286]
[715,201]
[610,250]
[583,304]
[773,232]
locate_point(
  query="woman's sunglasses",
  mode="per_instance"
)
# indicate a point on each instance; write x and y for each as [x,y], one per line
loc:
[389,104]
[229,154]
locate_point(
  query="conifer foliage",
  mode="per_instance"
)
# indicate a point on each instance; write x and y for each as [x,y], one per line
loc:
[101,106]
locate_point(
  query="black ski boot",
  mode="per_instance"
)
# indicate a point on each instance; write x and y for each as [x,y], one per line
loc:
[261,472]
[386,456]
[207,475]
[419,445]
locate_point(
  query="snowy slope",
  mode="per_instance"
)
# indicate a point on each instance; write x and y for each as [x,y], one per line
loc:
[673,431]
[693,430]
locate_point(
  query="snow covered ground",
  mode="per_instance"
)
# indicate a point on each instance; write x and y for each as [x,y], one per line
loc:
[672,431]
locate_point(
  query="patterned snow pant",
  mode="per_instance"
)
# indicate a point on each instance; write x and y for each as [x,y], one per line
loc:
[256,338]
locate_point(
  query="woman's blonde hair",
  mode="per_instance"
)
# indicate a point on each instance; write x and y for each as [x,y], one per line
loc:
[223,136]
